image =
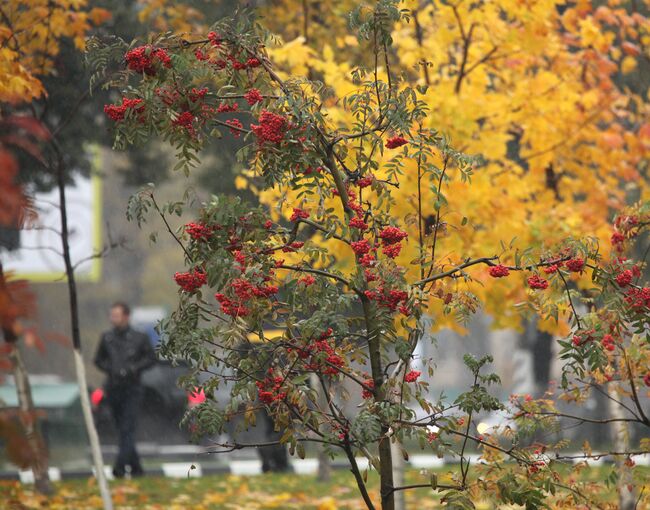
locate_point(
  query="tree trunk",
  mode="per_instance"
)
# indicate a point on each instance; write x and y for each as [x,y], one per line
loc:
[621,439]
[35,441]
[324,465]
[398,475]
[28,420]
[385,454]
[95,448]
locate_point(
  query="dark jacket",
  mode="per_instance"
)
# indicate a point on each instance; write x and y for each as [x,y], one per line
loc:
[124,354]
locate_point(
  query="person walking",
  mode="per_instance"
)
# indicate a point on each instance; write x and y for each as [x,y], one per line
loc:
[123,354]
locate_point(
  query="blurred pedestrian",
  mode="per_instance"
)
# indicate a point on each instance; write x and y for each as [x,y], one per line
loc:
[274,456]
[123,354]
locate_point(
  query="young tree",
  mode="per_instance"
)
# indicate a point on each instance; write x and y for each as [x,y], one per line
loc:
[32,35]
[330,276]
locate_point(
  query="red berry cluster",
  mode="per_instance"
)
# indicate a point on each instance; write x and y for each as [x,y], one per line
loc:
[227,107]
[626,222]
[118,112]
[144,59]
[188,107]
[323,358]
[307,280]
[240,258]
[395,142]
[185,120]
[343,431]
[238,64]
[236,127]
[536,282]
[412,376]
[366,181]
[271,128]
[583,337]
[199,231]
[191,281]
[498,271]
[431,437]
[198,95]
[268,389]
[361,247]
[391,299]
[230,307]
[296,245]
[392,235]
[638,299]
[390,239]
[624,278]
[536,466]
[244,292]
[608,342]
[215,39]
[367,260]
[552,268]
[391,250]
[357,222]
[299,214]
[575,265]
[366,393]
[253,96]
[618,241]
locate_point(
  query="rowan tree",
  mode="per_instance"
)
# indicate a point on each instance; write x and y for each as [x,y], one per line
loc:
[348,272]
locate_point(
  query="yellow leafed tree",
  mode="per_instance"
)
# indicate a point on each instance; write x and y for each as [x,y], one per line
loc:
[537,88]
[30,34]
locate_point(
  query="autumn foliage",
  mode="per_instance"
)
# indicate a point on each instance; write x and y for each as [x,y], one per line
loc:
[402,190]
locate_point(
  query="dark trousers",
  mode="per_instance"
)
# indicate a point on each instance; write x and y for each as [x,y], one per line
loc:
[274,457]
[125,403]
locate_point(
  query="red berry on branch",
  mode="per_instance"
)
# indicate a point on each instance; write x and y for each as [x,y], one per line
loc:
[395,142]
[271,128]
[361,247]
[307,280]
[575,265]
[357,222]
[412,376]
[392,250]
[535,282]
[191,281]
[253,96]
[624,279]
[235,126]
[499,271]
[299,214]
[392,235]
[145,59]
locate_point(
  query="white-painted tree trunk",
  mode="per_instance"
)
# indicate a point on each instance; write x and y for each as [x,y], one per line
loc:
[621,440]
[95,448]
[398,475]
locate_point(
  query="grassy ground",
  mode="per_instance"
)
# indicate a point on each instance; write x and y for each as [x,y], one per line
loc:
[284,491]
